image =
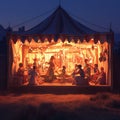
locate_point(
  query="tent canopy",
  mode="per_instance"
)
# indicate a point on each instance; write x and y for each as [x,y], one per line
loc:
[60,25]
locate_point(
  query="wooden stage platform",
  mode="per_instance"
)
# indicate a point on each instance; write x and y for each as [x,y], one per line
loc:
[60,89]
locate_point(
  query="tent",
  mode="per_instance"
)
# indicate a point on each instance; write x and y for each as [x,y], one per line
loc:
[68,41]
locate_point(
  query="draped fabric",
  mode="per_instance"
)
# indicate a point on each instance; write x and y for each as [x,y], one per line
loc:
[103,37]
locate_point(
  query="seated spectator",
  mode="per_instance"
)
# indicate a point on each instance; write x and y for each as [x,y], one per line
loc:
[20,74]
[96,70]
[102,77]
[63,74]
[96,73]
[80,75]
[75,70]
[87,70]
[33,76]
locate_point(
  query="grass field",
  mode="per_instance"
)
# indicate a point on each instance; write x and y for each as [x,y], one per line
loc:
[100,106]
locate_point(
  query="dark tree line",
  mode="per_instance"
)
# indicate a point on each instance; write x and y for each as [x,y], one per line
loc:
[116,67]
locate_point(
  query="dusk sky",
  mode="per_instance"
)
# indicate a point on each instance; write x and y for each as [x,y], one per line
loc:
[89,12]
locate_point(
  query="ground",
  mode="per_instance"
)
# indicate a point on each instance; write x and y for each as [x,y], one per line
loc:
[100,106]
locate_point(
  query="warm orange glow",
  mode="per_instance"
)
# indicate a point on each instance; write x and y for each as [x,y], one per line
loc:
[66,54]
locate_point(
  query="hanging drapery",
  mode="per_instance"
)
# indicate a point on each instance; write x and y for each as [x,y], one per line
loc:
[105,37]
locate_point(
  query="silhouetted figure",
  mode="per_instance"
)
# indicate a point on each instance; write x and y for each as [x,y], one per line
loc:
[94,77]
[33,75]
[80,77]
[63,74]
[87,70]
[75,71]
[20,74]
[96,70]
[50,73]
[102,77]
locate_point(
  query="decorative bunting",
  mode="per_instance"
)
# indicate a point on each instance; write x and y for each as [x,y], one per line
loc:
[102,37]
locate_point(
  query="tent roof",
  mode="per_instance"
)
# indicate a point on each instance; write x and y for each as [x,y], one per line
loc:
[60,22]
[60,25]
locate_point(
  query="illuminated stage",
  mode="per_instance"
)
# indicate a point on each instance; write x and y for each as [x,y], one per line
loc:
[60,51]
[65,53]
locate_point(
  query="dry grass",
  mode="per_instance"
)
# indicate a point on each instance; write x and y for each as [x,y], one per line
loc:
[56,107]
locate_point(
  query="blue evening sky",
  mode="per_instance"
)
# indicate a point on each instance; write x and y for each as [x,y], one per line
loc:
[89,12]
